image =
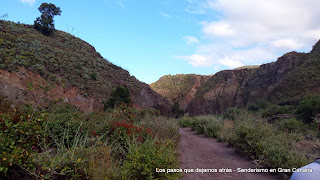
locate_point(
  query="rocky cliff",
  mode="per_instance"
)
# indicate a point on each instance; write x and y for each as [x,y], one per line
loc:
[291,77]
[180,88]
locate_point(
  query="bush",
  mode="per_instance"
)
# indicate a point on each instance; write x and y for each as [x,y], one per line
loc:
[290,125]
[63,127]
[118,96]
[308,107]
[122,133]
[232,113]
[259,104]
[276,110]
[176,111]
[187,121]
[213,127]
[163,128]
[142,160]
[19,133]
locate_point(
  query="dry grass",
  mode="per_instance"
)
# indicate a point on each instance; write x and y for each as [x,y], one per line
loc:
[101,164]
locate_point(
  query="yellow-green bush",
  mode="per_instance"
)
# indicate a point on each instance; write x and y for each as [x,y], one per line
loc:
[142,160]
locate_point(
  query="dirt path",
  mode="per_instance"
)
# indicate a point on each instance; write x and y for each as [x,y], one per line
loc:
[197,151]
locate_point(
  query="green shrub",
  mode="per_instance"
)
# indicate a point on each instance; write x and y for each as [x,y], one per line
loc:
[19,133]
[291,125]
[308,107]
[213,127]
[118,96]
[63,127]
[142,160]
[176,111]
[276,110]
[259,104]
[122,133]
[186,121]
[162,127]
[232,113]
[250,137]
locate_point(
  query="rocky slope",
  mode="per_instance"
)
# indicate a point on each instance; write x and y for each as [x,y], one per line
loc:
[180,88]
[35,68]
[291,77]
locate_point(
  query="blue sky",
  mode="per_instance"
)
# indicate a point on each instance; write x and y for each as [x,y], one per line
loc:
[152,38]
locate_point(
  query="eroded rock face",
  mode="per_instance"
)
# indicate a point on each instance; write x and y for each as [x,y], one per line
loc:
[25,87]
[186,99]
[218,93]
[180,88]
[242,87]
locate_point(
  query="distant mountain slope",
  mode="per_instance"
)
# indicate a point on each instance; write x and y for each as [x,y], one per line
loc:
[179,88]
[291,77]
[63,67]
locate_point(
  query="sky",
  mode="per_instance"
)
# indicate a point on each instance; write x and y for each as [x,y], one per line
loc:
[152,38]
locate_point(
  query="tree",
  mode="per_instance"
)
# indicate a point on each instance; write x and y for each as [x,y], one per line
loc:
[309,107]
[176,111]
[45,23]
[118,96]
[4,16]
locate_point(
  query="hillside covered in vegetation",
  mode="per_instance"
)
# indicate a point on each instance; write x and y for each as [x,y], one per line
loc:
[179,88]
[62,67]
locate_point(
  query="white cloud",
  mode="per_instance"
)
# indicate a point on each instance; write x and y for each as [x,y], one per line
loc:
[196,7]
[249,32]
[193,10]
[217,29]
[121,3]
[230,63]
[31,2]
[165,15]
[191,40]
[197,60]
[287,44]
[250,21]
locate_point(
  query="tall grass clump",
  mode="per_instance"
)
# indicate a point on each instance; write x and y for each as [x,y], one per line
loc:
[142,160]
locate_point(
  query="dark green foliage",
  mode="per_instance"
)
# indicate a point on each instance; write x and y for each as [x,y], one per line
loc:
[63,127]
[118,96]
[45,23]
[308,107]
[275,109]
[231,113]
[176,111]
[187,121]
[94,76]
[291,125]
[259,104]
[19,133]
